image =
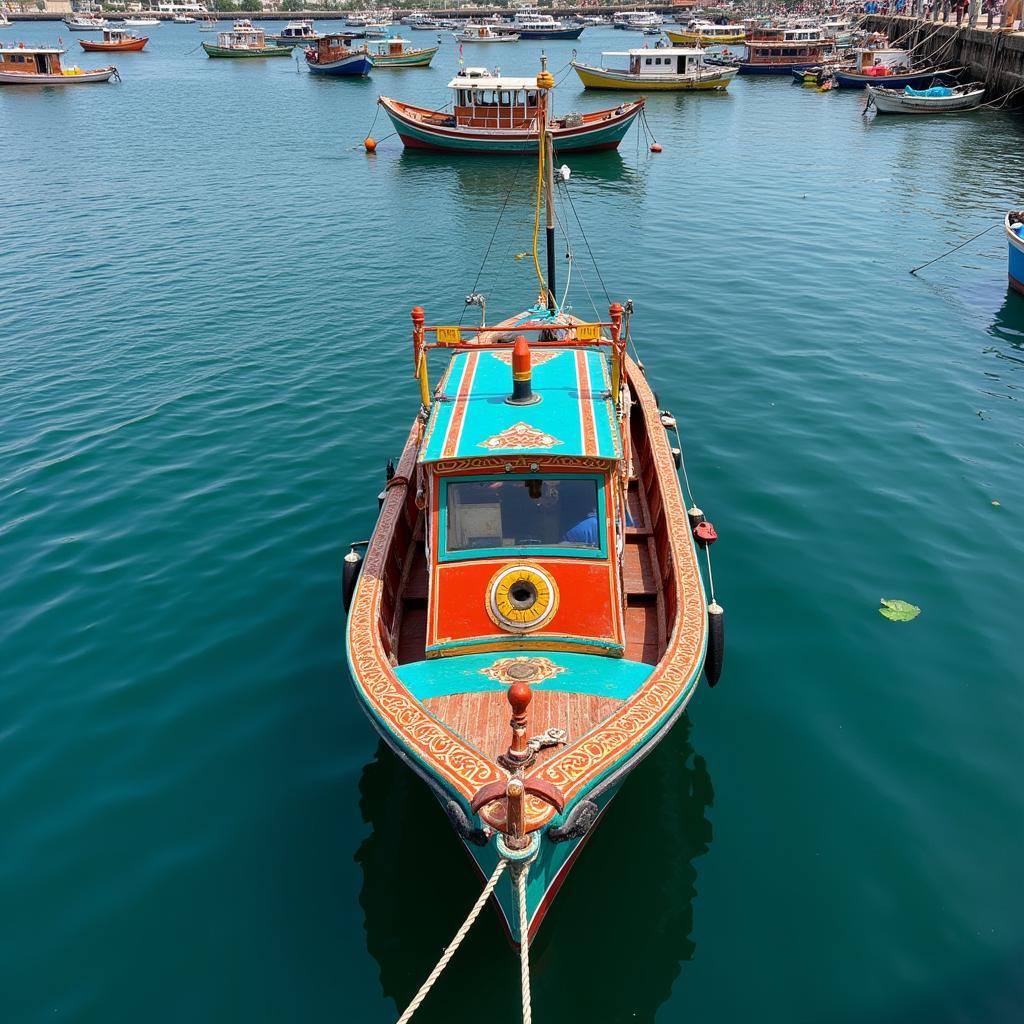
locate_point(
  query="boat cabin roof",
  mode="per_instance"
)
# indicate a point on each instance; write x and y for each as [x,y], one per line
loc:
[481,78]
[32,49]
[575,416]
[663,51]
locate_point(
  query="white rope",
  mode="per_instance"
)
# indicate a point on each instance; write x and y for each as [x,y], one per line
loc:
[524,945]
[454,945]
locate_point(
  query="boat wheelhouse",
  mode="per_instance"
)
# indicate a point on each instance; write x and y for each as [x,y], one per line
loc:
[115,40]
[494,114]
[706,33]
[245,40]
[675,68]
[780,50]
[397,53]
[40,65]
[334,56]
[296,32]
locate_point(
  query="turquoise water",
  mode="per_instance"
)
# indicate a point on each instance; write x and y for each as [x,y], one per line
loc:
[205,357]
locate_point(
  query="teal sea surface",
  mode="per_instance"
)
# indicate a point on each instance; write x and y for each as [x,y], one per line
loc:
[205,361]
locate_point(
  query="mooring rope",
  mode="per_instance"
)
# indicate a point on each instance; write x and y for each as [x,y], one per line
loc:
[524,943]
[455,943]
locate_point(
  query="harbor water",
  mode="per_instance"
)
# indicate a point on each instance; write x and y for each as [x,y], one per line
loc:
[205,353]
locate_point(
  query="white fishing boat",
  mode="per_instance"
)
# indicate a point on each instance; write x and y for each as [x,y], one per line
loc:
[141,22]
[666,68]
[296,32]
[636,21]
[939,99]
[485,34]
[85,23]
[4,22]
[183,19]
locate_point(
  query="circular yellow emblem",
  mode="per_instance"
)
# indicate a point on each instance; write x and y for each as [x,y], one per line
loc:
[521,598]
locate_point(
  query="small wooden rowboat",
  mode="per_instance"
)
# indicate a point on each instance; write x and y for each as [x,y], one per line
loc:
[115,39]
[40,65]
[494,114]
[533,557]
[936,100]
[1013,225]
[394,53]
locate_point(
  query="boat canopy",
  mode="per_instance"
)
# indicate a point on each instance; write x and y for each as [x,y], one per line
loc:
[575,416]
[658,51]
[481,78]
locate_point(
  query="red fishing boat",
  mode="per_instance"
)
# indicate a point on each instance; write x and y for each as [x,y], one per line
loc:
[115,39]
[530,619]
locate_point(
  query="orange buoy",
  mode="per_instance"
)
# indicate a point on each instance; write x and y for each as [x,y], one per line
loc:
[370,143]
[655,147]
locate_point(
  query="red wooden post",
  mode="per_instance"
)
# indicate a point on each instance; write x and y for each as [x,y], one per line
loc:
[519,696]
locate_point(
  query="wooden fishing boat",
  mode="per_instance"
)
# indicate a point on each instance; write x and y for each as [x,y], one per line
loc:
[396,53]
[1014,227]
[244,40]
[939,99]
[494,114]
[888,77]
[40,65]
[778,50]
[114,40]
[333,55]
[707,33]
[533,556]
[668,68]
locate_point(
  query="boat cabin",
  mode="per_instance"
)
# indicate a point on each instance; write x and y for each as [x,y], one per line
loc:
[483,100]
[331,47]
[299,31]
[524,500]
[781,45]
[668,61]
[243,36]
[870,57]
[31,60]
[393,47]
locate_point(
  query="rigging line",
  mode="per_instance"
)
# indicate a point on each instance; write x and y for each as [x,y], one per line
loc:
[586,242]
[541,146]
[494,233]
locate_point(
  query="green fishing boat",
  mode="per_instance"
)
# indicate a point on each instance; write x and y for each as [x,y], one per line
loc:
[244,40]
[393,53]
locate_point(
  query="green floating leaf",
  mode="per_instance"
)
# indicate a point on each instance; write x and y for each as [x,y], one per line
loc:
[899,611]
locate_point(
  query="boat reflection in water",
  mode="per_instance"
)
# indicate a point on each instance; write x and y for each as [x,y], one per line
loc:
[658,827]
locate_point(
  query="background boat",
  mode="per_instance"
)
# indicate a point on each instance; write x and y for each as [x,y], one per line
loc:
[936,100]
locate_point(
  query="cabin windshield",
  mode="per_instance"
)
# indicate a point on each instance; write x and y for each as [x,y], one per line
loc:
[532,512]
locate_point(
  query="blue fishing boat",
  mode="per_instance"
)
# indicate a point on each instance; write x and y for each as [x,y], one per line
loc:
[1014,225]
[333,55]
[530,617]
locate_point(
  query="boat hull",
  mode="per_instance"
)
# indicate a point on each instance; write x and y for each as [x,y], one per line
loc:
[746,68]
[418,133]
[133,46]
[553,33]
[1015,258]
[212,50]
[413,59]
[356,66]
[601,78]
[850,80]
[887,102]
[82,78]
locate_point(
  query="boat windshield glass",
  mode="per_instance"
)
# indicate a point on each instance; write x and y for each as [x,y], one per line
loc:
[524,512]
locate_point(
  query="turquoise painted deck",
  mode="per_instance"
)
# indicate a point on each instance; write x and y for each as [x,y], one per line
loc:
[559,415]
[583,673]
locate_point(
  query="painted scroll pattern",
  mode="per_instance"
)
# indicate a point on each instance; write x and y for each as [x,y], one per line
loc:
[543,668]
[444,753]
[519,435]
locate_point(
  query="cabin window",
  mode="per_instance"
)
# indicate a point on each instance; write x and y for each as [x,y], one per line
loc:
[560,514]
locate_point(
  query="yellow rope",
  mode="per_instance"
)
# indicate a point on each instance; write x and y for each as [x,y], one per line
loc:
[536,214]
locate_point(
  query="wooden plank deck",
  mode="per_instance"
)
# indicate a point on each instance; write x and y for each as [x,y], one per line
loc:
[483,718]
